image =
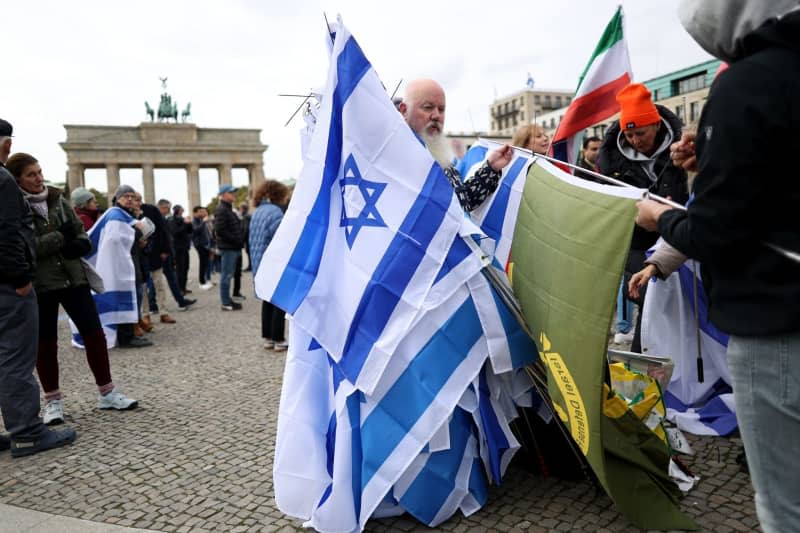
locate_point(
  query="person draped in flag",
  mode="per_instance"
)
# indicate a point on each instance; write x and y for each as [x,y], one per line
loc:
[423,108]
[745,196]
[635,150]
[60,280]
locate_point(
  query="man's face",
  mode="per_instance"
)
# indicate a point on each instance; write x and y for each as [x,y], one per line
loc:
[425,114]
[5,150]
[127,200]
[164,208]
[591,151]
[643,139]
[228,197]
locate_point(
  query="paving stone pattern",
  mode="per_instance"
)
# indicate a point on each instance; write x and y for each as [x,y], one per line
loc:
[197,454]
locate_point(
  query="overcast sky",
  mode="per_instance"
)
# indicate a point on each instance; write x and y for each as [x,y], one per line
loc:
[93,62]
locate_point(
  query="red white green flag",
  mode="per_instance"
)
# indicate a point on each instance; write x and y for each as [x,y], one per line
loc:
[608,71]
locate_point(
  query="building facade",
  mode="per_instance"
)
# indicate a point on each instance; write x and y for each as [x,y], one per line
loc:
[523,107]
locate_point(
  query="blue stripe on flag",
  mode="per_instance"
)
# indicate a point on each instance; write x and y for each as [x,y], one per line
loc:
[478,484]
[459,251]
[303,265]
[475,154]
[395,270]
[521,347]
[560,150]
[687,285]
[353,404]
[433,485]
[115,301]
[492,224]
[416,388]
[496,441]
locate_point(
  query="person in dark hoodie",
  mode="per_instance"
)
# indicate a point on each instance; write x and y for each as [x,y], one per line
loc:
[19,325]
[745,205]
[635,150]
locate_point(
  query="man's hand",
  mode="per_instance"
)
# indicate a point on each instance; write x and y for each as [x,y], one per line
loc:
[649,213]
[500,157]
[683,153]
[640,279]
[25,290]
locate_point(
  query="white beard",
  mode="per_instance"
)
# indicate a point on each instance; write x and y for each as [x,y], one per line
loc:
[439,147]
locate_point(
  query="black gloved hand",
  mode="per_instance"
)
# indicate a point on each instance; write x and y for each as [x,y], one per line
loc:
[67,229]
[76,248]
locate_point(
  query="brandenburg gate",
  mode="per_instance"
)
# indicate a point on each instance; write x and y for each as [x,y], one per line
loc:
[152,145]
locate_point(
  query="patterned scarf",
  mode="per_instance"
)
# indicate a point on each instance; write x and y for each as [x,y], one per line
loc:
[38,201]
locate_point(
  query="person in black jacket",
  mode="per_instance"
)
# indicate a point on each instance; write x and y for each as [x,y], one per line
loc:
[635,150]
[230,240]
[181,230]
[201,239]
[19,392]
[746,195]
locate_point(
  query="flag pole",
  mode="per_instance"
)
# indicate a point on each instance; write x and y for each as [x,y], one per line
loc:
[788,254]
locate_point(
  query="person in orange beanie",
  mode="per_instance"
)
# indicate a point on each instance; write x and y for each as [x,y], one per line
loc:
[635,150]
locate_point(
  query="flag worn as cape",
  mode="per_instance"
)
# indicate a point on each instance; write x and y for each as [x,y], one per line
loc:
[112,238]
[608,71]
[569,249]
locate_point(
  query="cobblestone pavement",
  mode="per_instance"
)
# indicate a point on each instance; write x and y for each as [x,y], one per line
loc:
[197,455]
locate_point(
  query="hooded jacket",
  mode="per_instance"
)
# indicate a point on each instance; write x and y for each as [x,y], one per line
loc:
[655,173]
[747,189]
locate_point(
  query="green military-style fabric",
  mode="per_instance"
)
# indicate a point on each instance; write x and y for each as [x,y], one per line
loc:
[569,249]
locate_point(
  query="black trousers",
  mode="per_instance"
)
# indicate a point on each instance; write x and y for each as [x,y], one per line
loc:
[205,273]
[237,277]
[272,322]
[182,267]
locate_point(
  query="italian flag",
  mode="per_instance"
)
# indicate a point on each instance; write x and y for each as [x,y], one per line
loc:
[608,71]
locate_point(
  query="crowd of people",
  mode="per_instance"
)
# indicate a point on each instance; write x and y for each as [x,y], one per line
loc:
[738,224]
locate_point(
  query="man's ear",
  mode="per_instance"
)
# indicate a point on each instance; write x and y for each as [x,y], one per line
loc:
[402,108]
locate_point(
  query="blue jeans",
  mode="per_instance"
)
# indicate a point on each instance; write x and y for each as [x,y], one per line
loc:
[229,258]
[766,386]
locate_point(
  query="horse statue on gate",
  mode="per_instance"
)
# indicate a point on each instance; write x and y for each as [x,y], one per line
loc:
[186,113]
[149,111]
[167,109]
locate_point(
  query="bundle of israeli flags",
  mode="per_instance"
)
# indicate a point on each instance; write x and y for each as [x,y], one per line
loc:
[402,374]
[112,238]
[669,328]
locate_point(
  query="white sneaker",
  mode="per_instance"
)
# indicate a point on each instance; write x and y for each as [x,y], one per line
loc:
[53,413]
[207,286]
[623,338]
[116,400]
[281,346]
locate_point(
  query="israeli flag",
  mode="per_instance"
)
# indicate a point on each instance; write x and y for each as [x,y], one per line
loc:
[497,216]
[112,237]
[669,329]
[369,227]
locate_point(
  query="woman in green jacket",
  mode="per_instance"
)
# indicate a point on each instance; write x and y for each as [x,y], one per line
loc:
[60,279]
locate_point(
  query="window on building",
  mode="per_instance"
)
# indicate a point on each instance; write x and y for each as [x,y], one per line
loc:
[694,111]
[569,100]
[552,123]
[558,101]
[505,107]
[692,83]
[547,102]
[522,116]
[655,95]
[537,99]
[514,120]
[679,112]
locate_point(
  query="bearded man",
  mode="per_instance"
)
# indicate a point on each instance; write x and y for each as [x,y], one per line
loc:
[423,108]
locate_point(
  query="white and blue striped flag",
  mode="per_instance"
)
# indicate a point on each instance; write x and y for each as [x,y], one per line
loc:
[112,238]
[669,329]
[369,226]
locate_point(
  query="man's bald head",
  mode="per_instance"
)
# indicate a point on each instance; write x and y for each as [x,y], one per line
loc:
[423,107]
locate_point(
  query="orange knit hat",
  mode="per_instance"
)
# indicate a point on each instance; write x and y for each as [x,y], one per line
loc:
[636,107]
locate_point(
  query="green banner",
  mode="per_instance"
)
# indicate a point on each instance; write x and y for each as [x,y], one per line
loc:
[569,249]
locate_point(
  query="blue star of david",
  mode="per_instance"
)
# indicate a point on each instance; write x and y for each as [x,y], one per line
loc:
[370,191]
